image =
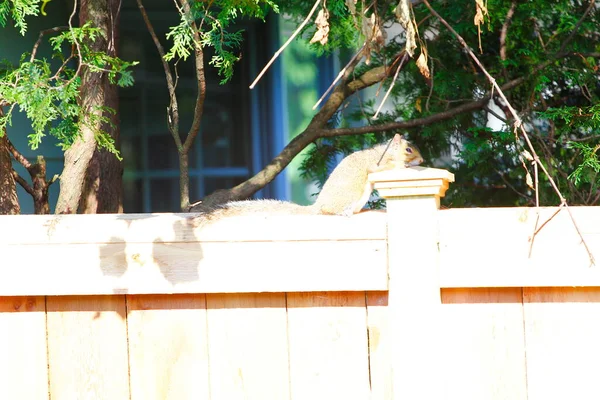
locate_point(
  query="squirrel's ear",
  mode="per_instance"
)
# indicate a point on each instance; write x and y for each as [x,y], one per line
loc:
[398,138]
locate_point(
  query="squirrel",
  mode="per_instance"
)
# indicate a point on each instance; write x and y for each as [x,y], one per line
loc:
[345,192]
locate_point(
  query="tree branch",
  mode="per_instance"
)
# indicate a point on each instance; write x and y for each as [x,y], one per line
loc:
[576,27]
[173,112]
[20,158]
[200,79]
[41,36]
[19,179]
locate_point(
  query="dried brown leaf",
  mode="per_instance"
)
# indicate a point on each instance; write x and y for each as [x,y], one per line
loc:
[322,23]
[527,155]
[422,63]
[375,36]
[351,4]
[529,180]
[480,14]
[405,19]
[418,105]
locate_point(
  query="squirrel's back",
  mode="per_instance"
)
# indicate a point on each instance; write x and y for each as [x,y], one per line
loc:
[348,179]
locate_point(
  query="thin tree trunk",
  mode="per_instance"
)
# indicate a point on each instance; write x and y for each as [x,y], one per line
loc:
[92,93]
[9,202]
[103,184]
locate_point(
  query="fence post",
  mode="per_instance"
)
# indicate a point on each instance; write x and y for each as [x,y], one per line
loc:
[413,199]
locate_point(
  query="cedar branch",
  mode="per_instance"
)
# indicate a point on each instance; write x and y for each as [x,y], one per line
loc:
[518,124]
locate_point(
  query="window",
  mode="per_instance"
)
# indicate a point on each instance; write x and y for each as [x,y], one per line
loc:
[239,133]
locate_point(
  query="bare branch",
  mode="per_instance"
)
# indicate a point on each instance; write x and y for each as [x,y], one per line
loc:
[504,31]
[173,111]
[21,181]
[576,28]
[278,52]
[353,61]
[20,158]
[40,37]
[402,60]
[200,80]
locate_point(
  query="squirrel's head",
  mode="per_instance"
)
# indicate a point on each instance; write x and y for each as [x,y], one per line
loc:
[406,151]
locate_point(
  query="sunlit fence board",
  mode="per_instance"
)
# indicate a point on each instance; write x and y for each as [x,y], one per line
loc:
[562,327]
[484,344]
[380,363]
[247,341]
[168,254]
[328,346]
[491,247]
[23,351]
[168,346]
[87,347]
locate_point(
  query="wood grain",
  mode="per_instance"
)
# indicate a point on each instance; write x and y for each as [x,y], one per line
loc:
[87,347]
[146,268]
[328,346]
[168,347]
[248,346]
[562,328]
[23,352]
[380,342]
[484,344]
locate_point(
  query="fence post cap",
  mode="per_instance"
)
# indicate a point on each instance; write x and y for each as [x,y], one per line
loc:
[412,181]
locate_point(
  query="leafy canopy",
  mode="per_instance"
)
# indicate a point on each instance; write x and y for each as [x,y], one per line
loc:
[49,97]
[551,62]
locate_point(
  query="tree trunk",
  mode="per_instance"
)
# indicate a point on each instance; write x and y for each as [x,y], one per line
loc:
[9,203]
[103,191]
[78,158]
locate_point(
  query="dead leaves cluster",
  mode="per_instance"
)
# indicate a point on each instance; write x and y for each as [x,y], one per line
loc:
[322,23]
[480,14]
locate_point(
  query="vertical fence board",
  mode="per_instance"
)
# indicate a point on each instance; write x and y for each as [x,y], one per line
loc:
[247,339]
[23,352]
[87,347]
[563,342]
[380,363]
[168,347]
[483,335]
[328,345]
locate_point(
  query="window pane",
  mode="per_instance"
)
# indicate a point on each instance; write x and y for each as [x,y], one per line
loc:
[133,190]
[164,195]
[212,184]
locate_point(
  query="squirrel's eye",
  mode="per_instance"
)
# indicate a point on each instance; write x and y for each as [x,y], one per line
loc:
[409,150]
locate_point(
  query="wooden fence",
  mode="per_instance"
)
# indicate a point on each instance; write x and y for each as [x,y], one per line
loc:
[412,303]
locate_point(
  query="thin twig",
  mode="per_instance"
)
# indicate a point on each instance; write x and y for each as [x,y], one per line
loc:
[339,76]
[559,209]
[41,35]
[402,60]
[77,46]
[518,125]
[577,25]
[532,238]
[173,109]
[495,114]
[278,52]
[430,87]
[200,80]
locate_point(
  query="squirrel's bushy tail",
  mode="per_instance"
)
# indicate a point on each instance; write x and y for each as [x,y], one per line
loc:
[252,207]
